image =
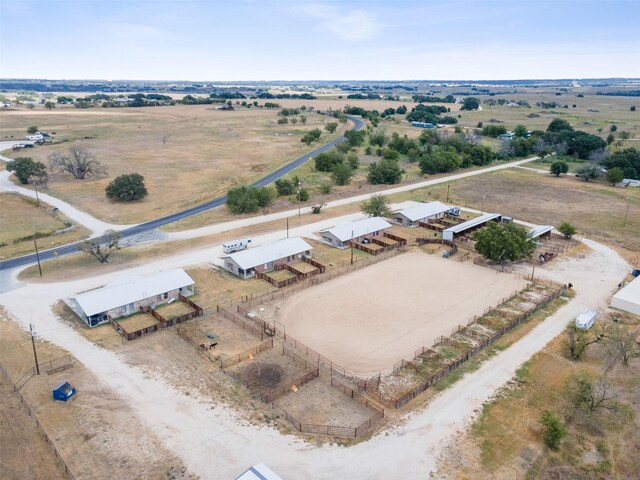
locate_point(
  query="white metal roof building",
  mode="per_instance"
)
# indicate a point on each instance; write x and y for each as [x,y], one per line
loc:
[410,217]
[262,258]
[628,297]
[540,231]
[259,472]
[472,224]
[340,235]
[126,292]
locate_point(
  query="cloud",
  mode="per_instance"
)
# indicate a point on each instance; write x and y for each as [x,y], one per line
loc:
[352,25]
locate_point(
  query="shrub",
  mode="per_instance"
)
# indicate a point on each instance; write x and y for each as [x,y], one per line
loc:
[554,429]
[127,188]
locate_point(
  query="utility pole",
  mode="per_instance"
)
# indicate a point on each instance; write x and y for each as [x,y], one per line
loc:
[533,272]
[37,254]
[299,184]
[351,243]
[448,186]
[624,224]
[287,227]
[33,343]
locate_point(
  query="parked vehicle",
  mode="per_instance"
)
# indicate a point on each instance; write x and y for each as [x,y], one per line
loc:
[586,319]
[17,146]
[236,245]
[35,138]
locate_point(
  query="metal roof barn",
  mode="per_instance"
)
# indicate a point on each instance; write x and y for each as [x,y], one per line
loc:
[348,230]
[628,297]
[451,232]
[130,290]
[540,230]
[265,254]
[422,211]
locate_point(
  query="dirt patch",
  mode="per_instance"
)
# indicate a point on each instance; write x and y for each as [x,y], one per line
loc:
[371,318]
[259,375]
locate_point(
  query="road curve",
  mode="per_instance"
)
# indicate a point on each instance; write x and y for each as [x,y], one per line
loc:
[159,222]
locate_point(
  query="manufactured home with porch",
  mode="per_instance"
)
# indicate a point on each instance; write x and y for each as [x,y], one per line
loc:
[412,216]
[358,231]
[127,295]
[264,258]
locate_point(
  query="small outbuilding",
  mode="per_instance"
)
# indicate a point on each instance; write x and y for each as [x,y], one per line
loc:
[410,217]
[628,297]
[470,225]
[262,259]
[541,231]
[126,295]
[259,472]
[358,231]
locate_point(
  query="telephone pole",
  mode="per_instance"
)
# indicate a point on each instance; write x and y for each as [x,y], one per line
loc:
[37,254]
[33,343]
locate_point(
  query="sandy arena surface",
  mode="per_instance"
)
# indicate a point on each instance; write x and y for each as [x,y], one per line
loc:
[368,320]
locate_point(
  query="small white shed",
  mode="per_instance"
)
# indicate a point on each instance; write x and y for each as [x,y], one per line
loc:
[259,472]
[586,319]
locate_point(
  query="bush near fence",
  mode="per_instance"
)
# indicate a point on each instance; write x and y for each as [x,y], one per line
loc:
[403,399]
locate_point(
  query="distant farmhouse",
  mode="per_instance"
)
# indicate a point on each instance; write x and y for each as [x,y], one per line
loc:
[125,296]
[340,235]
[264,258]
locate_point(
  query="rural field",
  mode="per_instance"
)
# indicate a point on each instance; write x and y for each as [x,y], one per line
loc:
[22,217]
[371,318]
[187,154]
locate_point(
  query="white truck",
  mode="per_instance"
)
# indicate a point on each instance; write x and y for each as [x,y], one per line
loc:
[35,138]
[236,245]
[586,319]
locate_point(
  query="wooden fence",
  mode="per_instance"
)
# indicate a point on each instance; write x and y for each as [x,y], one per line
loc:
[38,424]
[252,327]
[275,393]
[162,322]
[425,352]
[246,355]
[453,248]
[336,430]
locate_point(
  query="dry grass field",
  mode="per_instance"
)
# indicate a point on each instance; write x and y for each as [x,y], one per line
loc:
[187,154]
[596,208]
[363,321]
[21,217]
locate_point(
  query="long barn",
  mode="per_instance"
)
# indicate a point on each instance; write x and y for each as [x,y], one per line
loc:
[470,225]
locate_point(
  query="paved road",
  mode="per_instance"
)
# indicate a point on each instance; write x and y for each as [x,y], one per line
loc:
[159,222]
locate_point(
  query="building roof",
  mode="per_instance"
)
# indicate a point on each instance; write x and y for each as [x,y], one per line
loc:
[128,290]
[630,292]
[348,230]
[259,472]
[585,318]
[474,222]
[268,253]
[423,211]
[539,230]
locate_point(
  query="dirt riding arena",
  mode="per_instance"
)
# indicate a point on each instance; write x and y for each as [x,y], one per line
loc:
[371,318]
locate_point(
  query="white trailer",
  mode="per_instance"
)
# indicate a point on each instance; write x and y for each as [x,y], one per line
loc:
[259,472]
[35,138]
[586,319]
[236,245]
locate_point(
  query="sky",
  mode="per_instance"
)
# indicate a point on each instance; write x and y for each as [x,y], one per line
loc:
[253,40]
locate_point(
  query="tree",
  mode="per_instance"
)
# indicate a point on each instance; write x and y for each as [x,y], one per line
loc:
[554,429]
[470,103]
[577,340]
[588,171]
[632,108]
[376,206]
[127,188]
[341,174]
[32,129]
[80,163]
[49,105]
[249,199]
[628,160]
[303,119]
[558,167]
[567,230]
[613,128]
[25,167]
[559,125]
[354,138]
[311,136]
[324,162]
[504,242]
[284,186]
[40,175]
[303,195]
[440,161]
[615,175]
[101,247]
[591,396]
[331,127]
[386,172]
[610,138]
[621,343]
[521,131]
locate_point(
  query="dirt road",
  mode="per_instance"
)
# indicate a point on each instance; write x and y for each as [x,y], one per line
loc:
[214,444]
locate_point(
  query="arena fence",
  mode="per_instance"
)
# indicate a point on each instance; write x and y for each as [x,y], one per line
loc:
[468,351]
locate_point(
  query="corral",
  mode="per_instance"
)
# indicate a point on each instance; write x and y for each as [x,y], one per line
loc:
[373,317]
